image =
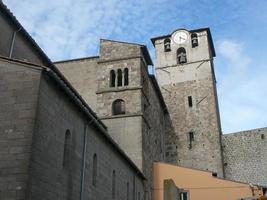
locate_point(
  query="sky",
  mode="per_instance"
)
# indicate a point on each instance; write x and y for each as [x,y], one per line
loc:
[67,29]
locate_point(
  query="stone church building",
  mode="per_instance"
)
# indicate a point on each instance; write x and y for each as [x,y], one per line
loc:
[91,128]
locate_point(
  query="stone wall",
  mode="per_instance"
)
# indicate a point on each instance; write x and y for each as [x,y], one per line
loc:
[245,156]
[125,127]
[81,73]
[113,50]
[13,40]
[56,114]
[204,152]
[193,79]
[19,86]
[36,112]
[142,129]
[153,124]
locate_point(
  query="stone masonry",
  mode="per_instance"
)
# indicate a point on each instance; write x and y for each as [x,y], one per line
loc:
[38,108]
[141,130]
[19,88]
[35,116]
[173,117]
[245,156]
[82,77]
[194,79]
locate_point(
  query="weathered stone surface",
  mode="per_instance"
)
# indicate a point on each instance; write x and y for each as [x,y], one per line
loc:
[245,156]
[82,75]
[18,101]
[49,178]
[195,79]
[141,130]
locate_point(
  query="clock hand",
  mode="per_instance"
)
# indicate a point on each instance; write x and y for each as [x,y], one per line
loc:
[181,38]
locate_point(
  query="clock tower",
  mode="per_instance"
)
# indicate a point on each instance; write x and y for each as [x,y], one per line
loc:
[185,72]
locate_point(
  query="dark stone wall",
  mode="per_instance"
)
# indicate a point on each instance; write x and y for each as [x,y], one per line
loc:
[19,86]
[23,48]
[6,34]
[49,178]
[153,125]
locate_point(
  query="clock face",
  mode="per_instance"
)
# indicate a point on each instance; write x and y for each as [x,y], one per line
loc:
[180,37]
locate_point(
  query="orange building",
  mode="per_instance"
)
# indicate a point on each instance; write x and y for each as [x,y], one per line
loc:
[198,185]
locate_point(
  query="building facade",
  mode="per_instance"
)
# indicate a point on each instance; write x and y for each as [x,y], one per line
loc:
[126,98]
[53,146]
[185,73]
[205,185]
[91,128]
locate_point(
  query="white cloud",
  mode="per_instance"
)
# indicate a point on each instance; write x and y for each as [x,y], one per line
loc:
[241,88]
[233,51]
[68,29]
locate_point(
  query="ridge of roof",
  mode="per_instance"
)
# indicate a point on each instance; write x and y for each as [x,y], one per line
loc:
[124,42]
[76,59]
[246,131]
[142,46]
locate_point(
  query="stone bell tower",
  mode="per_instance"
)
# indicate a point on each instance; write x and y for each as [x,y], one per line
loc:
[185,73]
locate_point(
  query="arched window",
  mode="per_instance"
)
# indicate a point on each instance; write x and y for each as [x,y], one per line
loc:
[181,55]
[67,149]
[112,78]
[194,40]
[118,107]
[119,77]
[167,45]
[113,187]
[94,169]
[126,76]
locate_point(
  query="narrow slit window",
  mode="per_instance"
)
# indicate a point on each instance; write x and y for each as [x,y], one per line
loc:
[113,187]
[126,76]
[94,169]
[112,78]
[190,101]
[67,150]
[119,78]
[191,136]
[191,139]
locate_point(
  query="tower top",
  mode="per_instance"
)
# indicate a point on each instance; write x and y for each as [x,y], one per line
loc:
[153,40]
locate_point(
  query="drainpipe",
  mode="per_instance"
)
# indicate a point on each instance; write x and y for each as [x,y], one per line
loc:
[84,157]
[83,160]
[13,42]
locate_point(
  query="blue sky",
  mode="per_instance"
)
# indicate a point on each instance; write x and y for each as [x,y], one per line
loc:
[68,29]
